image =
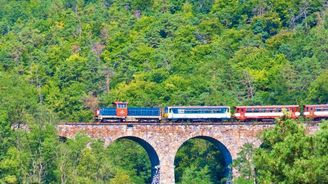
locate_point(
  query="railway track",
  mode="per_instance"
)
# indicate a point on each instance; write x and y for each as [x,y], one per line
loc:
[181,123]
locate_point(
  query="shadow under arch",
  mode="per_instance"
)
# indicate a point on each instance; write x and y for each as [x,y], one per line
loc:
[153,157]
[225,153]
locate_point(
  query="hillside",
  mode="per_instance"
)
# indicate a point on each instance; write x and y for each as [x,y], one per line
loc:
[60,60]
[75,55]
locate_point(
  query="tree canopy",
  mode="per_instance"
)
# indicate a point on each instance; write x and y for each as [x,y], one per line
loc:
[60,60]
[287,155]
[156,53]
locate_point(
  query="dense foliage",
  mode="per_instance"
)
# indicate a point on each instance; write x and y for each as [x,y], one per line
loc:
[287,155]
[59,60]
[199,161]
[78,53]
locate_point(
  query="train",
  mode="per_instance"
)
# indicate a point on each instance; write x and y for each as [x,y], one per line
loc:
[120,112]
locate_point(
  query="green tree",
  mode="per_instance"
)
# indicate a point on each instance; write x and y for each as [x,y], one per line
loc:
[131,161]
[318,92]
[199,160]
[287,154]
[193,176]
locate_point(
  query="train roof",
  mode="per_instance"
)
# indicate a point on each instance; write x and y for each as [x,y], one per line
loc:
[318,105]
[267,106]
[198,106]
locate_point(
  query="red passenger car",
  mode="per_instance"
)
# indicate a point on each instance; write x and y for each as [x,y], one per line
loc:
[316,111]
[265,112]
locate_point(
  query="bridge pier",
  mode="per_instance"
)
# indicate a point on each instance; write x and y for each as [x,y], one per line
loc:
[167,170]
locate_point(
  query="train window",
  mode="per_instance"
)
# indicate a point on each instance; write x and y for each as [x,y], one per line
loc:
[181,111]
[322,109]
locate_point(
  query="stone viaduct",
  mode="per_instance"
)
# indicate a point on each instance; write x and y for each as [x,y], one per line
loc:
[162,141]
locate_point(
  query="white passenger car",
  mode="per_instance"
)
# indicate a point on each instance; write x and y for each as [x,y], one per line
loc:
[197,113]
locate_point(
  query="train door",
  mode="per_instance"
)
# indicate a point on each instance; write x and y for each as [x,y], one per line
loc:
[121,109]
[242,112]
[311,111]
[293,112]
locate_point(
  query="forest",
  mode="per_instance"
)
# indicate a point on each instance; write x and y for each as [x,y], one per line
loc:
[62,59]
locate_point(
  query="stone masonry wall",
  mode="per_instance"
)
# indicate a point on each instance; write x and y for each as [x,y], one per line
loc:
[166,139]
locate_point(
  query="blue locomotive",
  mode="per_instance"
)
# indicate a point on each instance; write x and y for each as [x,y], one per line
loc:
[122,113]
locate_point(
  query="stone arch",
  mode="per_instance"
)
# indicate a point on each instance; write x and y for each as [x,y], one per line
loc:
[152,154]
[221,147]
